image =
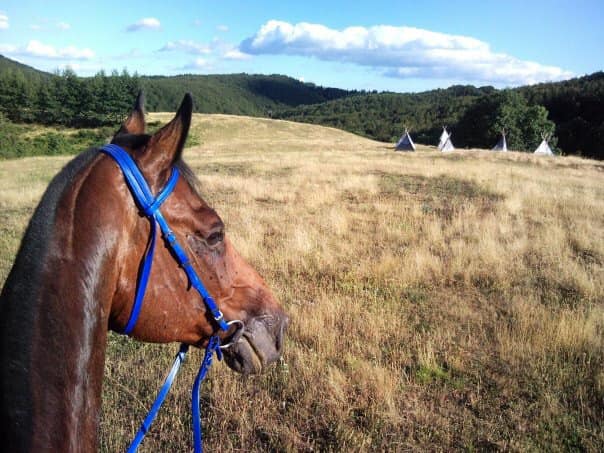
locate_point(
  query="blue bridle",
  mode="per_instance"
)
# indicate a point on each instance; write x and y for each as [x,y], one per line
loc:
[149,206]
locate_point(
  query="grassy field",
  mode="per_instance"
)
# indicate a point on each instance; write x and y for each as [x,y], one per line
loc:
[438,302]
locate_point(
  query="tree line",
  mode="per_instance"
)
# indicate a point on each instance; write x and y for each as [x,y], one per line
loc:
[66,99]
[577,108]
[31,96]
[474,116]
[571,111]
[524,124]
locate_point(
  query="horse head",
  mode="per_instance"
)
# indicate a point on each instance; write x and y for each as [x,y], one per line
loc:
[172,309]
[76,273]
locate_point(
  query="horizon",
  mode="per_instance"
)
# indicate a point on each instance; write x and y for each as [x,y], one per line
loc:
[381,46]
[108,73]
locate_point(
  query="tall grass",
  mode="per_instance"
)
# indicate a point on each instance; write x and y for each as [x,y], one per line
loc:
[438,302]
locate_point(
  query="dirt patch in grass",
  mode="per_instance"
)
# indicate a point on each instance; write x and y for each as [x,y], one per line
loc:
[585,255]
[267,201]
[442,186]
[230,169]
[440,195]
[243,169]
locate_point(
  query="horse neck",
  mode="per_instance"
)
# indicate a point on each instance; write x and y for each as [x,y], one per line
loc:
[55,306]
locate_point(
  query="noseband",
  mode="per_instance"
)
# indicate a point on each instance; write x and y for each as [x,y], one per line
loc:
[149,206]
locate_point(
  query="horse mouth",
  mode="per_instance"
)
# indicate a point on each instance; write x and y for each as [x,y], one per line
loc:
[243,357]
[260,345]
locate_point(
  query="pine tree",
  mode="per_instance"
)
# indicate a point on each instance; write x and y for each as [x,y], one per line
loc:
[46,105]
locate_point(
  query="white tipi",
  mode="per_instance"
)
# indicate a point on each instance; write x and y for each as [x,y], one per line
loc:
[405,143]
[448,145]
[443,138]
[501,144]
[544,148]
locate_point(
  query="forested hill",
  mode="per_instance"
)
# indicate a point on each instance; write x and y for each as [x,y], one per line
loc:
[8,66]
[242,94]
[570,110]
[577,108]
[384,115]
[573,108]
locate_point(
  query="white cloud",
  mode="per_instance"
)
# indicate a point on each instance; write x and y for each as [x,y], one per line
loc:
[222,28]
[403,52]
[198,63]
[235,54]
[216,47]
[191,47]
[8,49]
[3,21]
[46,25]
[38,49]
[146,23]
[197,23]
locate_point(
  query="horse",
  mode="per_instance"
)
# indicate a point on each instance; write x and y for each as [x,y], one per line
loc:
[75,276]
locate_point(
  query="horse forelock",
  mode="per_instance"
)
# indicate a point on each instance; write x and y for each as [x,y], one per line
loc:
[137,141]
[132,141]
[188,175]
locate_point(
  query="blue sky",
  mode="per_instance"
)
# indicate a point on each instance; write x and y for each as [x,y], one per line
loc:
[379,44]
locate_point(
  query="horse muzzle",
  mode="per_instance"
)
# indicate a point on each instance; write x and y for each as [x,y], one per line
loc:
[260,344]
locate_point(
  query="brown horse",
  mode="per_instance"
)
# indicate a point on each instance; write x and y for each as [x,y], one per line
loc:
[75,276]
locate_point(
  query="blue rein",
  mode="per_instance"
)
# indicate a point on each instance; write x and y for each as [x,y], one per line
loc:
[150,205]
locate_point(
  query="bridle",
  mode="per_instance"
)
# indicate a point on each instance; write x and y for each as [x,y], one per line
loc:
[149,206]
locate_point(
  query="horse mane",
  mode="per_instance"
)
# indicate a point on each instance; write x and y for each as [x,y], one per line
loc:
[32,250]
[19,299]
[20,296]
[24,275]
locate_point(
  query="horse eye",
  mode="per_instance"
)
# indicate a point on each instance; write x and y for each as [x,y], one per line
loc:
[215,238]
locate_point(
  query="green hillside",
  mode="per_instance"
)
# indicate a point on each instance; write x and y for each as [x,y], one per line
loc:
[570,109]
[383,115]
[575,106]
[8,66]
[240,94]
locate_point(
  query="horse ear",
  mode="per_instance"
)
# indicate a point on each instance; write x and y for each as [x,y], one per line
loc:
[166,145]
[135,123]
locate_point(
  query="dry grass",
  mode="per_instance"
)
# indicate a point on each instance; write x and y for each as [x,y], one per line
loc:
[438,302]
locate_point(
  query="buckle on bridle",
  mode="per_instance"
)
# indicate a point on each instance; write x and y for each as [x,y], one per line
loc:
[237,335]
[219,318]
